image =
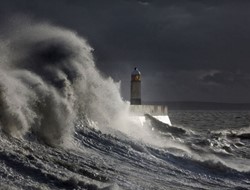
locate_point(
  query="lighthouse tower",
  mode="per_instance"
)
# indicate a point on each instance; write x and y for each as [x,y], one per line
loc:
[135,91]
[157,113]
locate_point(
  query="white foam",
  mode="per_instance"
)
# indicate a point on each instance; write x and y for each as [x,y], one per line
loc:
[164,119]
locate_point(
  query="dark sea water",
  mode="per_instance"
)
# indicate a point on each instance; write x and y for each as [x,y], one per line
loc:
[202,150]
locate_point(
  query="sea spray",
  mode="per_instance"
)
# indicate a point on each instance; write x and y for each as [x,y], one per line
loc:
[49,81]
[48,78]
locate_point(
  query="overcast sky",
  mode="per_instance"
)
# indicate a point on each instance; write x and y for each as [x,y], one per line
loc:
[186,50]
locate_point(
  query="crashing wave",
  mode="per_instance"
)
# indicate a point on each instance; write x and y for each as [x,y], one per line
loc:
[48,78]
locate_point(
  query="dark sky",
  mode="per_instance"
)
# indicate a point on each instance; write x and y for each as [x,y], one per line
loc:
[187,50]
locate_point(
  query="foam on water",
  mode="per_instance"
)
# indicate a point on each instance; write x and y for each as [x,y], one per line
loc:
[48,79]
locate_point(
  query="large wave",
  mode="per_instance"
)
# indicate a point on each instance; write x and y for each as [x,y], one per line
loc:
[48,79]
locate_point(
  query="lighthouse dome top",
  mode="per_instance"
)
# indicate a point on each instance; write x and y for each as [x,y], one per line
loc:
[136,71]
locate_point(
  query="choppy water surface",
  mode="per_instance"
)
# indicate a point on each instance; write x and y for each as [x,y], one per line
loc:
[65,126]
[190,159]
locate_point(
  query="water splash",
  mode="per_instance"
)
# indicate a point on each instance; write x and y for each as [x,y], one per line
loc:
[48,79]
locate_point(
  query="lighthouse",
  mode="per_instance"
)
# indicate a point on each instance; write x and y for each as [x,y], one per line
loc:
[141,112]
[135,90]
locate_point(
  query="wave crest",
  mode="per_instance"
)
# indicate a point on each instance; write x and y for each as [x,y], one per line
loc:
[48,78]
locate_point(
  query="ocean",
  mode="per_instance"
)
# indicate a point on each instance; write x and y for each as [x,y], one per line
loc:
[63,125]
[202,150]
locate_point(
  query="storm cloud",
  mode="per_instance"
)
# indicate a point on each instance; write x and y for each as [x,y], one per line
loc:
[186,50]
